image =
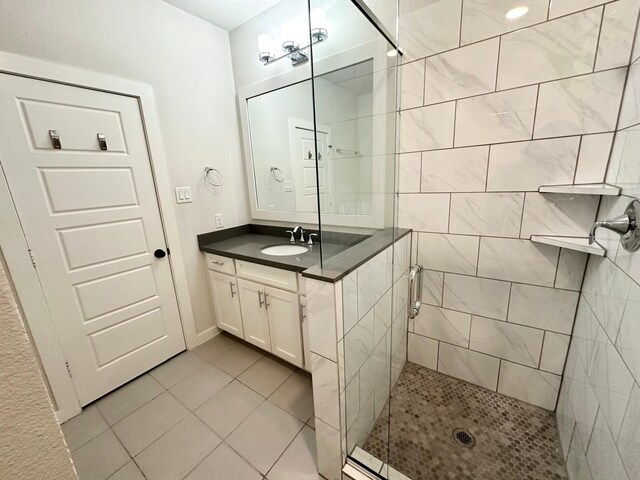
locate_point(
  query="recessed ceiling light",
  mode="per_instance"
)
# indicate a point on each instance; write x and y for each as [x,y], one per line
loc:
[517,12]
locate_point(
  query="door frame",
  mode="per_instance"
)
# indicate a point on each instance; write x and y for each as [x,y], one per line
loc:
[14,245]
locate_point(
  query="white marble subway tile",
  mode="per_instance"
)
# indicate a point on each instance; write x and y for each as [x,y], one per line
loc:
[445,325]
[546,308]
[479,296]
[495,214]
[486,18]
[506,340]
[577,460]
[455,170]
[557,49]
[429,27]
[578,105]
[517,261]
[496,117]
[363,423]
[571,266]
[325,390]
[584,402]
[463,72]
[448,253]
[412,84]
[606,289]
[321,310]
[611,381]
[329,450]
[426,212]
[616,35]
[374,279]
[593,158]
[565,418]
[350,301]
[427,128]
[629,438]
[529,385]
[352,402]
[432,285]
[423,351]
[358,345]
[625,163]
[468,365]
[409,172]
[602,454]
[554,352]
[525,166]
[558,8]
[558,214]
[627,342]
[382,316]
[401,257]
[585,333]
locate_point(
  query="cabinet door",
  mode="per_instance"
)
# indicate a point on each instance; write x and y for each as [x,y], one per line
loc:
[284,325]
[226,304]
[254,314]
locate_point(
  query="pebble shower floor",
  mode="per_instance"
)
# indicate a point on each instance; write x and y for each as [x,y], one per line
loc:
[513,440]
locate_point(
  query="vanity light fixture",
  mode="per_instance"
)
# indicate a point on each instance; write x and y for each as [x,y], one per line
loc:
[291,48]
[517,12]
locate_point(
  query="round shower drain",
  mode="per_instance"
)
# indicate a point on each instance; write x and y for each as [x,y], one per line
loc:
[464,437]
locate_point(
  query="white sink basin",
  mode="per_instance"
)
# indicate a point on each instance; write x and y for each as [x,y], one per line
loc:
[284,250]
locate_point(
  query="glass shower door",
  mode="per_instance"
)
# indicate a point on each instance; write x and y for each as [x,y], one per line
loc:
[355,113]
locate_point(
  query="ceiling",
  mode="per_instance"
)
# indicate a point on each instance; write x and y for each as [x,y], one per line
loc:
[226,14]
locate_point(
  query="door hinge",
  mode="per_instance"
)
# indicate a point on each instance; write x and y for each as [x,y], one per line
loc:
[33,260]
[68,368]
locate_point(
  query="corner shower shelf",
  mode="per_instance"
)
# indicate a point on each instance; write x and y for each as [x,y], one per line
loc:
[580,244]
[582,189]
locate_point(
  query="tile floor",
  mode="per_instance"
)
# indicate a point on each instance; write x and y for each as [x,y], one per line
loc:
[222,411]
[514,440]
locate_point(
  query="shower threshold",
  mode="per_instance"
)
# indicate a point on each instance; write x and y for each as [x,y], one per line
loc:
[439,427]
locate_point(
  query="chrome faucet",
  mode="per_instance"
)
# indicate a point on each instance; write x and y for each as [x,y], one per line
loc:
[625,225]
[620,225]
[297,229]
[311,235]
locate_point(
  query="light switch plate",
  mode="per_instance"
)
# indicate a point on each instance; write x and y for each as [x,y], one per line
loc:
[219,220]
[183,195]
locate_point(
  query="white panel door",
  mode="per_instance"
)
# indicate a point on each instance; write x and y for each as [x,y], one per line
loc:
[224,290]
[284,325]
[254,314]
[92,222]
[304,165]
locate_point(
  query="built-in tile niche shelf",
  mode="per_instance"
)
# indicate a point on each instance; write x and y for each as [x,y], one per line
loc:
[580,244]
[582,189]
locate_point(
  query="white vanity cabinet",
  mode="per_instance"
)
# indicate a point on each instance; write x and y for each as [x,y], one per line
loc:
[254,314]
[226,302]
[263,305]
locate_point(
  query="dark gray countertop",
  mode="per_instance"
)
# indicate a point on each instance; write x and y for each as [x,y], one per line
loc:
[247,241]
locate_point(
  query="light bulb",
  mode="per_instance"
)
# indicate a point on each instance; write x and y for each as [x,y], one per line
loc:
[517,12]
[318,18]
[265,43]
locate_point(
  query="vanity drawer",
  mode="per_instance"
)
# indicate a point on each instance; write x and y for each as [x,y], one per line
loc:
[220,264]
[267,275]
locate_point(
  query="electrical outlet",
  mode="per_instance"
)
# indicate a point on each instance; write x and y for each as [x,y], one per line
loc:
[287,186]
[183,195]
[219,220]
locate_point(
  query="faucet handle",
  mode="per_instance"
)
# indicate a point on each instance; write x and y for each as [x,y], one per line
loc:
[311,235]
[292,239]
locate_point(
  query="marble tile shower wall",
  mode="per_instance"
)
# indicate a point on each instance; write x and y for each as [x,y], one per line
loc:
[491,109]
[357,351]
[599,406]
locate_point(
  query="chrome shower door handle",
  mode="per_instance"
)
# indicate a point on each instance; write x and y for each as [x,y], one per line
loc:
[415,290]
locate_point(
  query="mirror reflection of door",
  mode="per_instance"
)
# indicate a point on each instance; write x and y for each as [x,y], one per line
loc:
[308,182]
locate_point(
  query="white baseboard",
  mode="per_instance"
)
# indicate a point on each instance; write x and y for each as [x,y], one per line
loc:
[207,335]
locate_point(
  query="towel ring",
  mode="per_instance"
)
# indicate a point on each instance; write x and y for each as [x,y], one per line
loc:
[208,170]
[273,173]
